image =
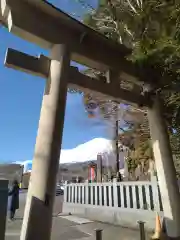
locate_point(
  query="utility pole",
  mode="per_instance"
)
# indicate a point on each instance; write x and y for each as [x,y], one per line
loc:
[117,147]
[117,150]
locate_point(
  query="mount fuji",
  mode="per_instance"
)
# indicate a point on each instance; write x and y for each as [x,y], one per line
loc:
[84,153]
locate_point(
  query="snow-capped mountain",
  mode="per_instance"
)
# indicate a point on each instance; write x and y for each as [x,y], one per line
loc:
[86,152]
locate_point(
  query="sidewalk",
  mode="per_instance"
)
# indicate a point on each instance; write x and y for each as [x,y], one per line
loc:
[70,227]
[76,228]
[110,232]
[62,229]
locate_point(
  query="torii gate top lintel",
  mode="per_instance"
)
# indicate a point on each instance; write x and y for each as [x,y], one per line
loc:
[88,47]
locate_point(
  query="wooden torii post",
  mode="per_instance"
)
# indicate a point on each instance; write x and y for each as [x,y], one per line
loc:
[69,40]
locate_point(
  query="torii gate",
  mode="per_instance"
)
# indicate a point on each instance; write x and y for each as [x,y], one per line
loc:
[43,24]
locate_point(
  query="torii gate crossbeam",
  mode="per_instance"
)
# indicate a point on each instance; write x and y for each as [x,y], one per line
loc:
[40,67]
[70,40]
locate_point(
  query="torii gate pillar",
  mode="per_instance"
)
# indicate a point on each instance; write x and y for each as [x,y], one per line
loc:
[165,169]
[37,222]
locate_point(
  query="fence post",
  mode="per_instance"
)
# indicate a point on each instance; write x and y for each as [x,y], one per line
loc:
[142,230]
[79,193]
[98,234]
[69,193]
[122,194]
[73,190]
[105,194]
[147,193]
[115,193]
[127,190]
[141,204]
[155,194]
[65,191]
[100,193]
[83,194]
[96,193]
[87,193]
[75,193]
[91,194]
[134,199]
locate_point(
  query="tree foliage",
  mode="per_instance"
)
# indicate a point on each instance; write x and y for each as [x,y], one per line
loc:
[151,28]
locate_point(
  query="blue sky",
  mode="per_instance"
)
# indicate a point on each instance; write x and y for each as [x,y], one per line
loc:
[20,103]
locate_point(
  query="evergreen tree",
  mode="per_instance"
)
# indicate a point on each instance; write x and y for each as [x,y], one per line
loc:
[151,28]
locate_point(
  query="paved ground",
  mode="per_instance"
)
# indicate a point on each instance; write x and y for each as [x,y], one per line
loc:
[71,227]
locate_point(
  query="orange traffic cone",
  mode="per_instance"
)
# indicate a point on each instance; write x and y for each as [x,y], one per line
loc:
[157,233]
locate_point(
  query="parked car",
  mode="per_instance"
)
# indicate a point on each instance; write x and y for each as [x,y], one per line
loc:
[59,189]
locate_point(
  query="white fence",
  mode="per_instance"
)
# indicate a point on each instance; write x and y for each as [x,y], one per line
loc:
[120,203]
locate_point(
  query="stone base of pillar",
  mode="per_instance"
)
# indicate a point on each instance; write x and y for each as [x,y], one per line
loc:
[37,213]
